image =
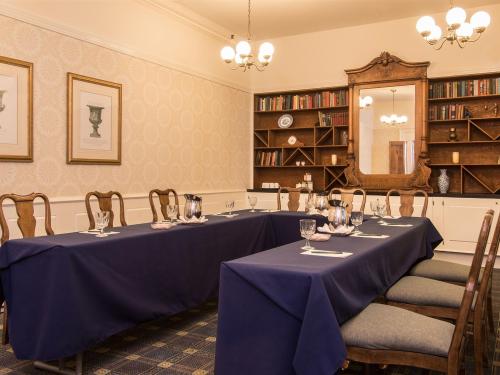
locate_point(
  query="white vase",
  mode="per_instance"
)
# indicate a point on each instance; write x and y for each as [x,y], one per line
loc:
[443,182]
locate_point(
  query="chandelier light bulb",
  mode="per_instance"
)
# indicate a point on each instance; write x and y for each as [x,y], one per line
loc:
[465,31]
[385,119]
[480,21]
[243,48]
[455,17]
[266,49]
[403,119]
[265,59]
[425,24]
[241,61]
[227,54]
[434,35]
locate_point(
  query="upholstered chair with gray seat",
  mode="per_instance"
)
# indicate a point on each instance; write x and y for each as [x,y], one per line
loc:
[440,299]
[389,335]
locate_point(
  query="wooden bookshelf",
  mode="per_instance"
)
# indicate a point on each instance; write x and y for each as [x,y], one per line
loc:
[315,143]
[471,105]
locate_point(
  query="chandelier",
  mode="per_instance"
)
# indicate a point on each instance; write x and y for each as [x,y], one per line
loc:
[365,101]
[458,29]
[241,56]
[393,119]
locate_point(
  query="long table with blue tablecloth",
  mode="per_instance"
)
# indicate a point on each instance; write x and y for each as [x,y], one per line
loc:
[68,292]
[280,310]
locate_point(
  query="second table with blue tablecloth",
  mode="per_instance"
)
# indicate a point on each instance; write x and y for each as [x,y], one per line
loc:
[66,293]
[280,310]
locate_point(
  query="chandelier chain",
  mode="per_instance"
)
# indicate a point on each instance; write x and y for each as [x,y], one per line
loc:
[249,24]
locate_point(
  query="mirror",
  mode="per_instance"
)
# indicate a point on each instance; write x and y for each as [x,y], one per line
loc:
[387,130]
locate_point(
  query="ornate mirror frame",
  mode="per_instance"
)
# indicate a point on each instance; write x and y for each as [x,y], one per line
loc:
[389,70]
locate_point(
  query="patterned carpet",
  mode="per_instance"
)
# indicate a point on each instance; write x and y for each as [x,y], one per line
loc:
[185,344]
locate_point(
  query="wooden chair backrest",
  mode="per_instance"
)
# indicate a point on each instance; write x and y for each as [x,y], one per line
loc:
[25,213]
[456,348]
[406,198]
[105,204]
[293,197]
[347,195]
[164,198]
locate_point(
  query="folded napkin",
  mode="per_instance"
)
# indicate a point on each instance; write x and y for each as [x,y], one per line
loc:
[341,229]
[315,211]
[193,220]
[94,232]
[320,237]
[326,253]
[162,225]
[363,235]
[391,217]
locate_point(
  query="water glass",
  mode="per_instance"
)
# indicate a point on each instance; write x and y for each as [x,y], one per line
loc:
[381,213]
[230,206]
[253,202]
[374,208]
[102,220]
[357,220]
[172,212]
[307,230]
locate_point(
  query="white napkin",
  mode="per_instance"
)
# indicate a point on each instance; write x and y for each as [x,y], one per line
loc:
[396,225]
[391,217]
[94,232]
[269,210]
[341,229]
[226,215]
[326,254]
[320,237]
[162,225]
[193,220]
[361,235]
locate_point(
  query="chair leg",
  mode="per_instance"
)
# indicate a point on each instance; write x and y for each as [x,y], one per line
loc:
[478,346]
[5,327]
[489,310]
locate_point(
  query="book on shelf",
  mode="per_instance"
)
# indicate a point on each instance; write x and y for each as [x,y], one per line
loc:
[321,99]
[447,112]
[332,118]
[464,88]
[268,158]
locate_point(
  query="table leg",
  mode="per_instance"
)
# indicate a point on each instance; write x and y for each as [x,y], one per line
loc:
[60,369]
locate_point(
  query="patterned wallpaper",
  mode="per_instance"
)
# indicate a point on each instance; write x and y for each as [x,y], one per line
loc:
[178,130]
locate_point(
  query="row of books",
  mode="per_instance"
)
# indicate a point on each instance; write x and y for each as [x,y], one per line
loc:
[306,101]
[268,158]
[332,119]
[457,89]
[448,112]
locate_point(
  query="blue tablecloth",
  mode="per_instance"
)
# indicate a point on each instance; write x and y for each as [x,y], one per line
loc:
[68,292]
[280,311]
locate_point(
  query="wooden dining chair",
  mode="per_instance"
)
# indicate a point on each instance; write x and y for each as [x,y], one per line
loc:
[27,224]
[293,197]
[347,195]
[442,300]
[164,198]
[105,204]
[407,198]
[390,335]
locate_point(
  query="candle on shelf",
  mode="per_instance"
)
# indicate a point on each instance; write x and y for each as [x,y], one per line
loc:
[334,159]
[455,157]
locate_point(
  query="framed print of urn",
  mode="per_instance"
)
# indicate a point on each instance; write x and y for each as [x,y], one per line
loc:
[94,121]
[16,110]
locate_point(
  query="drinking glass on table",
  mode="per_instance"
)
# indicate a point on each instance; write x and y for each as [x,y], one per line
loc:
[253,202]
[102,220]
[230,206]
[172,212]
[357,220]
[381,213]
[307,230]
[374,208]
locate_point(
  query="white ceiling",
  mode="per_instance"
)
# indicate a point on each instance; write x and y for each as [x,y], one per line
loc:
[277,18]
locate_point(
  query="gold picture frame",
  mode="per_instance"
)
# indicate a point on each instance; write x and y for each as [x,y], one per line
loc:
[94,121]
[16,110]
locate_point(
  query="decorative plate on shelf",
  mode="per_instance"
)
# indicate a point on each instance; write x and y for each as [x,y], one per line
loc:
[285,121]
[292,140]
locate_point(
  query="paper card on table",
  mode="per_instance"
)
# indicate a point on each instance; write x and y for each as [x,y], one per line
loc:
[326,254]
[226,215]
[396,225]
[363,235]
[96,232]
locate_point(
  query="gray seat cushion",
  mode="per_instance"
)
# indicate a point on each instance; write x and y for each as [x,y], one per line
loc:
[391,328]
[442,270]
[423,291]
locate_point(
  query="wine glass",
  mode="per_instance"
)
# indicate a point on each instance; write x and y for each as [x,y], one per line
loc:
[102,220]
[357,220]
[307,230]
[374,208]
[172,212]
[230,206]
[381,213]
[253,202]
